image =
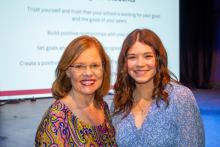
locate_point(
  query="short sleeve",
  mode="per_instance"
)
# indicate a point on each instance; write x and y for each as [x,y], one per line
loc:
[53,130]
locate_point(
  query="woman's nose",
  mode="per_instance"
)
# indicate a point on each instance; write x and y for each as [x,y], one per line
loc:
[140,61]
[87,71]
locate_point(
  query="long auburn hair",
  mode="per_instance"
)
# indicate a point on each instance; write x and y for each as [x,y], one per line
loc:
[62,84]
[125,84]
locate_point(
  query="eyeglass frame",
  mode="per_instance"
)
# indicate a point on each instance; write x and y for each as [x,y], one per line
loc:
[82,67]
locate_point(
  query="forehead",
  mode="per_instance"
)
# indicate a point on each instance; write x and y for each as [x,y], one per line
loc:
[140,48]
[90,54]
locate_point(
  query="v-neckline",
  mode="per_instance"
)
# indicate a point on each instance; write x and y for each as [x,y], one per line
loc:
[145,118]
[83,122]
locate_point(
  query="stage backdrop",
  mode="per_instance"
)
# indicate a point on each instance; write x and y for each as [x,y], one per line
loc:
[34,35]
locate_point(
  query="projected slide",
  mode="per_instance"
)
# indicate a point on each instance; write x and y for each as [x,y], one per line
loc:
[34,35]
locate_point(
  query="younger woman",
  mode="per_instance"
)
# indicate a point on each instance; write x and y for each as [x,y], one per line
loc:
[150,108]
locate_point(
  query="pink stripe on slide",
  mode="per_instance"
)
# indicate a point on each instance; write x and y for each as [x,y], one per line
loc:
[24,92]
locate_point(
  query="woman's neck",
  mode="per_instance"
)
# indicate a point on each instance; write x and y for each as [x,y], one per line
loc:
[81,101]
[143,91]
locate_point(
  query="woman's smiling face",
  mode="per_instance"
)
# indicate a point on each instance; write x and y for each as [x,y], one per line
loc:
[86,73]
[141,63]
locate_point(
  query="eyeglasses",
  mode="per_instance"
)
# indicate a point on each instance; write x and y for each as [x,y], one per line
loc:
[95,67]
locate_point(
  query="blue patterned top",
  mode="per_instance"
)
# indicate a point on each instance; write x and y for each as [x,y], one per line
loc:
[179,124]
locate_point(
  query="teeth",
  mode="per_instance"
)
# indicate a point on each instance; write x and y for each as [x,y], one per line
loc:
[140,72]
[87,83]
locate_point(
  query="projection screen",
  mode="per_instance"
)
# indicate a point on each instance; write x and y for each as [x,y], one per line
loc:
[34,35]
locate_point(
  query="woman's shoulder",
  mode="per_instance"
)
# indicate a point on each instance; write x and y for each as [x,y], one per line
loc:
[56,110]
[180,95]
[58,107]
[53,124]
[175,89]
[55,114]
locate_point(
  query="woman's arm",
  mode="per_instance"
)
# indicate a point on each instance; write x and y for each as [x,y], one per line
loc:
[189,124]
[53,130]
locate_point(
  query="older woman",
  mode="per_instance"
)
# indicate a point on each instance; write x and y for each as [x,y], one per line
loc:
[79,116]
[150,108]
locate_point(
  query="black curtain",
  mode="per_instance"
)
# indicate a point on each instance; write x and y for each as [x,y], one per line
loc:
[196,42]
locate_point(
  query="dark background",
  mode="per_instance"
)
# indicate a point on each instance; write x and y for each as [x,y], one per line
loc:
[200,43]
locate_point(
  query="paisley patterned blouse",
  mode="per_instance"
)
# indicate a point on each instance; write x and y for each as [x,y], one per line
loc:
[61,128]
[178,125]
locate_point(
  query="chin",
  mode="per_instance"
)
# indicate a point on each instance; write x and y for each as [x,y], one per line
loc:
[89,91]
[143,81]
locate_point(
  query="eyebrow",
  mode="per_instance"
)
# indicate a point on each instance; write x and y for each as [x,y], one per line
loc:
[95,62]
[141,53]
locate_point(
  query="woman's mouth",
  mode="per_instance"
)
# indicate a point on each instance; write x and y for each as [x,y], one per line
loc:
[140,72]
[88,82]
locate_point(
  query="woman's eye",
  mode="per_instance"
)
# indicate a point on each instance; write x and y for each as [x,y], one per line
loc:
[95,65]
[148,56]
[131,57]
[79,66]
